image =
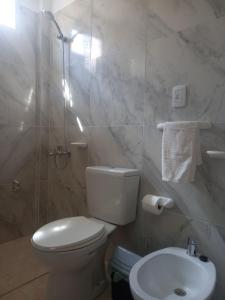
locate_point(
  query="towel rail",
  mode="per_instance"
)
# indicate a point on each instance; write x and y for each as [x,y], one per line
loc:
[202,125]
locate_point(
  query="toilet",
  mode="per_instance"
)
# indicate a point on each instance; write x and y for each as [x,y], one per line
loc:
[74,248]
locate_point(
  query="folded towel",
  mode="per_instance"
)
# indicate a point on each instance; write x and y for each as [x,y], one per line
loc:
[180,151]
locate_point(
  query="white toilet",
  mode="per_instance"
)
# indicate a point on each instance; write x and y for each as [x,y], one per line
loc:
[74,248]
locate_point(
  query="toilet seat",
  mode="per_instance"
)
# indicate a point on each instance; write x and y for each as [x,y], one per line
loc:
[68,234]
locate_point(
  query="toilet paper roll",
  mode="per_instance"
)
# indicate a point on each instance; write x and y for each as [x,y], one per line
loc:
[151,203]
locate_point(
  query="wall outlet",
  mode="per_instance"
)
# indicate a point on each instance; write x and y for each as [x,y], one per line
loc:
[179,96]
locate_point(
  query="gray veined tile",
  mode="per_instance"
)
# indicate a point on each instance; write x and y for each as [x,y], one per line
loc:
[18,88]
[181,14]
[20,44]
[18,61]
[172,61]
[66,189]
[74,18]
[120,146]
[205,42]
[118,66]
[218,7]
[156,27]
[17,155]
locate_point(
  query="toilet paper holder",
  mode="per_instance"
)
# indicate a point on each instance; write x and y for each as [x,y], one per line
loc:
[156,204]
[165,202]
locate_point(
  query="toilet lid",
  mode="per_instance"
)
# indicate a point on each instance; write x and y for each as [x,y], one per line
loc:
[68,234]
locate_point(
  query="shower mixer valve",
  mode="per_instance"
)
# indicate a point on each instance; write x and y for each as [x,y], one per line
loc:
[59,151]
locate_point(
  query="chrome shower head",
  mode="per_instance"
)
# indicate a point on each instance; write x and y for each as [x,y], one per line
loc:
[51,16]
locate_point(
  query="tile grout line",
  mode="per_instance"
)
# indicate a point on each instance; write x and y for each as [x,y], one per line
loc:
[22,285]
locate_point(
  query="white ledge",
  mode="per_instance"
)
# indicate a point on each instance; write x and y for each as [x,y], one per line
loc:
[201,125]
[79,145]
[216,154]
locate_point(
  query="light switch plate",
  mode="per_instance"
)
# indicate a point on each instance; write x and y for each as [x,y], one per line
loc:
[179,96]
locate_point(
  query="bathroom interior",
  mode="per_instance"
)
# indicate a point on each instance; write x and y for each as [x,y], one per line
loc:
[112,130]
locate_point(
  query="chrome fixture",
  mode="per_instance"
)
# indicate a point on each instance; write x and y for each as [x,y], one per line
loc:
[59,151]
[52,18]
[191,247]
[16,186]
[60,35]
[62,151]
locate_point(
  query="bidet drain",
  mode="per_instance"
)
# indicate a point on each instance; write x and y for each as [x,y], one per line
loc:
[180,292]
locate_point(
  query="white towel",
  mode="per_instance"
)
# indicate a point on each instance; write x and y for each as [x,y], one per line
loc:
[180,151]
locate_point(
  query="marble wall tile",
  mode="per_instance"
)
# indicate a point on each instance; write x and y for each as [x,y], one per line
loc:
[195,57]
[43,59]
[156,28]
[206,44]
[20,42]
[120,146]
[17,155]
[118,62]
[22,97]
[179,15]
[218,6]
[76,18]
[17,76]
[17,88]
[66,190]
[79,156]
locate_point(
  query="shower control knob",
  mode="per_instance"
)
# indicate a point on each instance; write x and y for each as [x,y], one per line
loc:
[16,186]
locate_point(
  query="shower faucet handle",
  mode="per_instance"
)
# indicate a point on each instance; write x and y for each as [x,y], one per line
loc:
[58,151]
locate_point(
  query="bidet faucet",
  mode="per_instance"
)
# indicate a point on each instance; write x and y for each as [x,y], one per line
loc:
[191,247]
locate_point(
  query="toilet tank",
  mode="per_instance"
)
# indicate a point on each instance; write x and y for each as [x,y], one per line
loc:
[112,194]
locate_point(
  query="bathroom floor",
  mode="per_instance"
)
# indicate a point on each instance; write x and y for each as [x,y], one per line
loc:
[23,277]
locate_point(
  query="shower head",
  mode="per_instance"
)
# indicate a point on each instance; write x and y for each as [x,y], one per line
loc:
[51,16]
[48,13]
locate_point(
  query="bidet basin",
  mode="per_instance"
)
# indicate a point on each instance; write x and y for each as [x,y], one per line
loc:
[171,274]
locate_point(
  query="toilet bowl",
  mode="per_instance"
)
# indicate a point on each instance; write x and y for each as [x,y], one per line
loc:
[73,249]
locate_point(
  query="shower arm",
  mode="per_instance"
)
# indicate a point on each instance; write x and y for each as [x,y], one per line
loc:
[60,36]
[52,18]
